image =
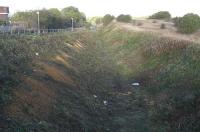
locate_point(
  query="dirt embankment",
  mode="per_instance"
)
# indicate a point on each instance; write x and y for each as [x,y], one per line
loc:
[153,27]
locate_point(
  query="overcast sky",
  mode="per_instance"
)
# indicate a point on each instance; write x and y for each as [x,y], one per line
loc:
[136,8]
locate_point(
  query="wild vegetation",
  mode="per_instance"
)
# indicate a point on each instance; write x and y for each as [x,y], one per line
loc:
[107,19]
[51,18]
[82,82]
[124,18]
[164,15]
[2,22]
[188,24]
[162,26]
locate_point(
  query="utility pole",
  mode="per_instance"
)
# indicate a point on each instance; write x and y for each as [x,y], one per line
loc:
[38,13]
[72,24]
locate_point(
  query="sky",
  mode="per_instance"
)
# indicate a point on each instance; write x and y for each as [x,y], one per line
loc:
[136,8]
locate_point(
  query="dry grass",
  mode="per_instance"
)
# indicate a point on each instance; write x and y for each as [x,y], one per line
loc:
[33,97]
[57,74]
[76,46]
[165,45]
[154,28]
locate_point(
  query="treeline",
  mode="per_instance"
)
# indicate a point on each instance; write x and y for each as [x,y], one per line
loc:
[187,24]
[109,18]
[59,19]
[51,18]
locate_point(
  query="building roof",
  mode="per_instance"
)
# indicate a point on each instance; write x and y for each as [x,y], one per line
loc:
[4,10]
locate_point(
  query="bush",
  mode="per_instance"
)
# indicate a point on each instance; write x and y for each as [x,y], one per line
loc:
[162,26]
[124,18]
[107,19]
[2,22]
[165,15]
[88,25]
[140,24]
[189,23]
[175,20]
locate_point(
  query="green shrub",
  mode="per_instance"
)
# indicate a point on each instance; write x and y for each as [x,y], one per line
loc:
[189,23]
[175,20]
[124,18]
[88,25]
[162,26]
[107,19]
[161,15]
[2,22]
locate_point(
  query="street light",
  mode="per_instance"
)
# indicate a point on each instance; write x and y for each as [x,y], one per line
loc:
[10,26]
[38,13]
[72,24]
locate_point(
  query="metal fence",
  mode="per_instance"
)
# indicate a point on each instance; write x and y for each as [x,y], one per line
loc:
[6,30]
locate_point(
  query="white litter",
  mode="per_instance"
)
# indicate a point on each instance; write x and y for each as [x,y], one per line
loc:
[135,84]
[94,96]
[40,122]
[36,54]
[105,102]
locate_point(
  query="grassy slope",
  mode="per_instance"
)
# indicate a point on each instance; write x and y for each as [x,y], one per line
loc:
[55,90]
[168,72]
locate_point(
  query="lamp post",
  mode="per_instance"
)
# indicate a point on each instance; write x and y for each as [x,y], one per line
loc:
[10,27]
[72,24]
[38,14]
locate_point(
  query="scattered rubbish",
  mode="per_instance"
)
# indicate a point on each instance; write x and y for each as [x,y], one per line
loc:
[129,93]
[105,102]
[135,84]
[40,122]
[36,54]
[94,96]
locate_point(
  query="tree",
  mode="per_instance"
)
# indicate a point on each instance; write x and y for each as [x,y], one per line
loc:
[124,18]
[55,19]
[44,18]
[2,22]
[30,17]
[165,15]
[189,23]
[95,20]
[107,19]
[73,12]
[52,18]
